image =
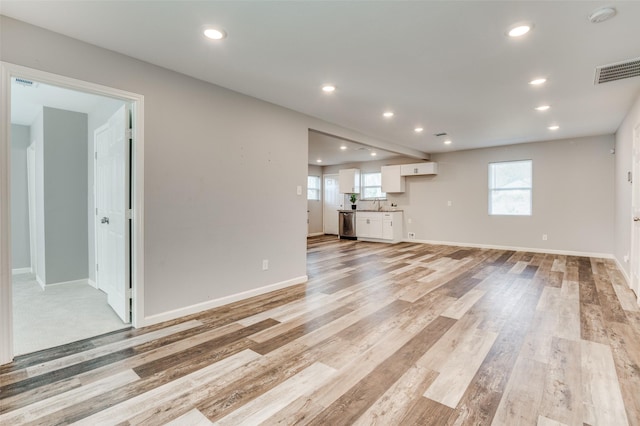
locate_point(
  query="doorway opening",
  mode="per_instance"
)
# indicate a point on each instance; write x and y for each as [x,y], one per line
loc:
[72,269]
[635,206]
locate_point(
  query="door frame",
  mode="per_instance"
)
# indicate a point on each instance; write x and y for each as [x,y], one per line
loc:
[8,71]
[635,203]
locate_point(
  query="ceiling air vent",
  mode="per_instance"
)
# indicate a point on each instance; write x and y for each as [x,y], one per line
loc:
[617,71]
[24,82]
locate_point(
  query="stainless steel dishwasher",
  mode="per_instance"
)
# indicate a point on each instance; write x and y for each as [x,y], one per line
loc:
[347,220]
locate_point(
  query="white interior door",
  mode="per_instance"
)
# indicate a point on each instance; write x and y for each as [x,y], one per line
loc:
[635,225]
[112,210]
[332,203]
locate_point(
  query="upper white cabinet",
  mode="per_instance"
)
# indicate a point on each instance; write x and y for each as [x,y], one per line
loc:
[349,181]
[392,179]
[430,168]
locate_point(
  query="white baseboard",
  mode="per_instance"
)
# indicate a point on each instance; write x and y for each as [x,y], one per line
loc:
[40,282]
[528,249]
[84,281]
[18,271]
[626,277]
[315,234]
[92,283]
[209,304]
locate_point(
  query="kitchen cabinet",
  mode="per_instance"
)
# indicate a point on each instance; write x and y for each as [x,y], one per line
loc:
[379,226]
[392,179]
[392,226]
[349,181]
[416,169]
[368,225]
[387,226]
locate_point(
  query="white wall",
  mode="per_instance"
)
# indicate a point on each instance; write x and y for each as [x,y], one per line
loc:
[221,171]
[624,151]
[20,246]
[572,197]
[65,195]
[369,167]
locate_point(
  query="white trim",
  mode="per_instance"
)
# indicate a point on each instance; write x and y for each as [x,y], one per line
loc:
[315,234]
[40,282]
[634,250]
[6,301]
[7,71]
[83,281]
[92,283]
[18,271]
[378,240]
[528,249]
[199,307]
[627,280]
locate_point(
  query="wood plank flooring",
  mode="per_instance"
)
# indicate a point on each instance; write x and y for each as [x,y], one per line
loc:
[403,334]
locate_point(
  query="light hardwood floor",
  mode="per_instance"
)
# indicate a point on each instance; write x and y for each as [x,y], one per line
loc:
[381,334]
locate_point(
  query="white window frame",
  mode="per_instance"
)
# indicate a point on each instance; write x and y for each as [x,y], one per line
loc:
[317,189]
[383,195]
[492,189]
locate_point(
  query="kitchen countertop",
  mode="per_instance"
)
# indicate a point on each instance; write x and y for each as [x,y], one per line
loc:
[371,211]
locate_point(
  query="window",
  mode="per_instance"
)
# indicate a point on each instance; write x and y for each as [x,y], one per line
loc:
[313,188]
[510,188]
[372,187]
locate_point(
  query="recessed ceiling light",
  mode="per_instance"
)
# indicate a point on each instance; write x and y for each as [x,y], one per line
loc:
[602,14]
[214,34]
[343,147]
[418,129]
[447,142]
[519,30]
[388,114]
[538,81]
[373,154]
[328,88]
[318,161]
[543,107]
[554,127]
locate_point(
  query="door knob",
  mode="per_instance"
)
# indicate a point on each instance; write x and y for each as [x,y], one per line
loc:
[104,220]
[636,219]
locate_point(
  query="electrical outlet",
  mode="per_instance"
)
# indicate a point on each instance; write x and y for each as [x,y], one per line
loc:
[299,190]
[409,220]
[412,235]
[544,237]
[449,203]
[265,264]
[626,258]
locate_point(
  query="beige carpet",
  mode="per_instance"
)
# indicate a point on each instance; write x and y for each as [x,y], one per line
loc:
[58,315]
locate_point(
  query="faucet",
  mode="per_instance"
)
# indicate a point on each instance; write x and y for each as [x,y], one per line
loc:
[379,204]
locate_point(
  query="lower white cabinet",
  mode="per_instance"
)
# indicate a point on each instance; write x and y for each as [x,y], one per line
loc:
[385,226]
[368,224]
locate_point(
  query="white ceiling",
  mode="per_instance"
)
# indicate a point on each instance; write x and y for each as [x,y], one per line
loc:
[443,65]
[27,101]
[328,148]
